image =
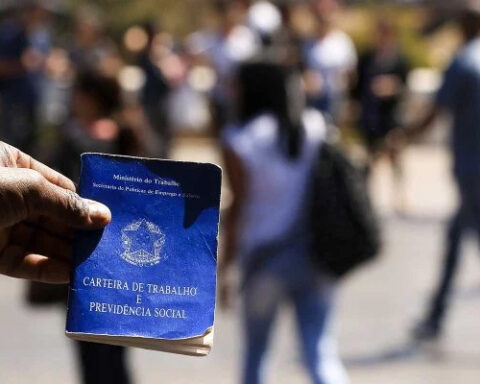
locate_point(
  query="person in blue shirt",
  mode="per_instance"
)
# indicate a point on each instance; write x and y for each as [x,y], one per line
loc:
[460,97]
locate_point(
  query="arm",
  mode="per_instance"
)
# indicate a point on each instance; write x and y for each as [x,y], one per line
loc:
[237,179]
[236,175]
[445,100]
[399,137]
[425,124]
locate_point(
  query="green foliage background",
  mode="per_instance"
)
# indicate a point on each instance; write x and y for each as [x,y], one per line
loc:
[422,51]
[176,16]
[183,16]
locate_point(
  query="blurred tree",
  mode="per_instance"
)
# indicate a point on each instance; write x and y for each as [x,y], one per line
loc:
[360,20]
[176,16]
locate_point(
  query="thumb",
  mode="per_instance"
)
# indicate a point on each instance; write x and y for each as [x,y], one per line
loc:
[66,206]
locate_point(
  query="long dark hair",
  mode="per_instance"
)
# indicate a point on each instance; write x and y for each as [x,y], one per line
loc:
[267,88]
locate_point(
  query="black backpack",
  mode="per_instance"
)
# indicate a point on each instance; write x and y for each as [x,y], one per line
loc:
[344,228]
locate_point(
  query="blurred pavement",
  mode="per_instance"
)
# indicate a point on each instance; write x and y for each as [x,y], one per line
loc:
[377,307]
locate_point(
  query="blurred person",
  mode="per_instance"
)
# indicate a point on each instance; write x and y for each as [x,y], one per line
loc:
[39,210]
[157,89]
[269,155]
[91,48]
[280,42]
[460,97]
[58,75]
[266,19]
[37,19]
[40,20]
[330,60]
[224,48]
[381,79]
[95,126]
[18,97]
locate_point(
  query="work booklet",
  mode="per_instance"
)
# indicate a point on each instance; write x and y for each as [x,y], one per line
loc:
[148,279]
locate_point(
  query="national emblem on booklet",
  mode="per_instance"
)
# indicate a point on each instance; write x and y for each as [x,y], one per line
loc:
[148,279]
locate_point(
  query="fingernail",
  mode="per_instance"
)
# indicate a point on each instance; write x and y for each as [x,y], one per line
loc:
[98,211]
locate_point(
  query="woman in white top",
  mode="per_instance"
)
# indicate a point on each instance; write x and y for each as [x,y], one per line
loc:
[269,157]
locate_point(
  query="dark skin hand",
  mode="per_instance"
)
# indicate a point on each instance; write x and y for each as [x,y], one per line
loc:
[38,211]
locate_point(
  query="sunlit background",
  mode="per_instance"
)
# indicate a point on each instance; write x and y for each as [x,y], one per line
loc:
[159,50]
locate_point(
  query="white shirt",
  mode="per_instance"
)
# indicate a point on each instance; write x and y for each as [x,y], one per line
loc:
[276,185]
[332,56]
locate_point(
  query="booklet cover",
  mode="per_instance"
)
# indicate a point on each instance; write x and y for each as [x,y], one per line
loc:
[149,278]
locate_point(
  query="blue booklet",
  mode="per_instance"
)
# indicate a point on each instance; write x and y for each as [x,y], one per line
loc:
[149,278]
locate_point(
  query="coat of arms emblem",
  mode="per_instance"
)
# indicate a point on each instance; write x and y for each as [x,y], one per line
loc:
[142,242]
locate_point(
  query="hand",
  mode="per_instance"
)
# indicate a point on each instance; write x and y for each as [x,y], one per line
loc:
[38,211]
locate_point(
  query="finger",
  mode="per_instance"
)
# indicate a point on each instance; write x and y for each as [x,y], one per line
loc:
[25,161]
[52,227]
[15,263]
[46,244]
[34,239]
[65,206]
[22,235]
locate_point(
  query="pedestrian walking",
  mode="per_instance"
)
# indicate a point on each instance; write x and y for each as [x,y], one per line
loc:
[330,61]
[381,81]
[269,156]
[460,97]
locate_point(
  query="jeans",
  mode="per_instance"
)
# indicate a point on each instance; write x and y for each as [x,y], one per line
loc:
[467,216]
[289,276]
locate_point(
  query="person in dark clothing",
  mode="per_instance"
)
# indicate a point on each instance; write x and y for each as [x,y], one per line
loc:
[382,74]
[460,97]
[154,96]
[95,124]
[93,127]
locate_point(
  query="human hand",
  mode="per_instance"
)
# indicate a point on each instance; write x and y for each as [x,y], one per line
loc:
[38,211]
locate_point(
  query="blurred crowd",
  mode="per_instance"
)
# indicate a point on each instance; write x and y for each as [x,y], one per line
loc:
[269,81]
[64,77]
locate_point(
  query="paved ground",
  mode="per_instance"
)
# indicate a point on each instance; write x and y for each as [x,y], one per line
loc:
[376,308]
